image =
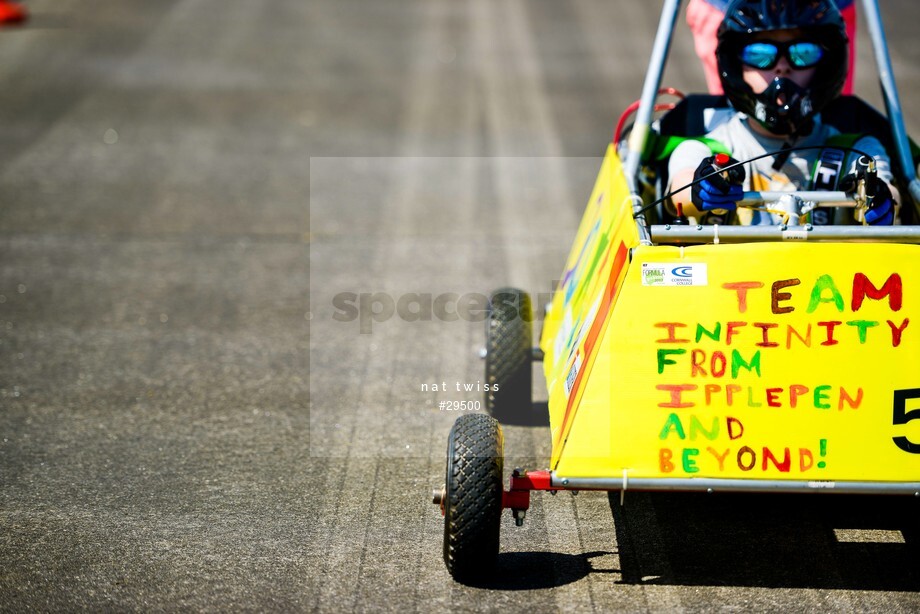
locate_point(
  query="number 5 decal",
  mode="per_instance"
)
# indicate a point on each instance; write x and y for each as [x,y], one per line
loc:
[902,416]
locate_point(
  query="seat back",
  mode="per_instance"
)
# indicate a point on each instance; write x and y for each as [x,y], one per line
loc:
[694,116]
[690,117]
[853,115]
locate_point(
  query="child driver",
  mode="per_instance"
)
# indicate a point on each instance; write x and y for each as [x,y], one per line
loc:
[780,62]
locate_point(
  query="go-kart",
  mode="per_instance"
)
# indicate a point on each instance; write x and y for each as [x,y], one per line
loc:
[706,357]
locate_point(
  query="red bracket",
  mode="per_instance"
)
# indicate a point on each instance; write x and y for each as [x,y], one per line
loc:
[517,497]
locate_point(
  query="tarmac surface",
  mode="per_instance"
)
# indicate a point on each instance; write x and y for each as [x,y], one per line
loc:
[219,379]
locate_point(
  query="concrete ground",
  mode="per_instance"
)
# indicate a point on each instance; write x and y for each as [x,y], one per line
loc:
[199,202]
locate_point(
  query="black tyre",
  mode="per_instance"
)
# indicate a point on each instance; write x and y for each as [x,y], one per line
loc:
[473,496]
[509,344]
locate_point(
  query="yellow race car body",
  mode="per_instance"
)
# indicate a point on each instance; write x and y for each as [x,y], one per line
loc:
[780,365]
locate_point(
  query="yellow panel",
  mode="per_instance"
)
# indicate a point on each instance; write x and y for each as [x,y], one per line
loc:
[764,361]
[587,291]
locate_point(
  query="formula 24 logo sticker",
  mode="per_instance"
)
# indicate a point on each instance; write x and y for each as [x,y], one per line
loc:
[674,274]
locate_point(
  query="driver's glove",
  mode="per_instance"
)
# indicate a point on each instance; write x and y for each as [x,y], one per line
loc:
[719,190]
[881,204]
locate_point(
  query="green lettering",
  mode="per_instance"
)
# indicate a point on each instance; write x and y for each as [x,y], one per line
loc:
[862,326]
[697,427]
[825,284]
[715,334]
[664,360]
[738,363]
[689,462]
[672,424]
[822,397]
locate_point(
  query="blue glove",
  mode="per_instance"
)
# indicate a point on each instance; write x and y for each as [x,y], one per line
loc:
[720,189]
[881,214]
[881,204]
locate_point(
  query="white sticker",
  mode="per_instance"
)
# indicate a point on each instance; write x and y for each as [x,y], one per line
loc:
[674,274]
[573,375]
[795,235]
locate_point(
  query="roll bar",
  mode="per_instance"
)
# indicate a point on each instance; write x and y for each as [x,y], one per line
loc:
[644,115]
[643,123]
[716,233]
[890,93]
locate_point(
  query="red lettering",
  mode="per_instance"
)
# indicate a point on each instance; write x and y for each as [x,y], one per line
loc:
[829,326]
[717,364]
[805,455]
[782,466]
[664,460]
[731,332]
[862,288]
[773,397]
[765,332]
[741,288]
[671,327]
[710,389]
[795,391]
[730,391]
[697,358]
[731,424]
[675,391]
[896,331]
[845,397]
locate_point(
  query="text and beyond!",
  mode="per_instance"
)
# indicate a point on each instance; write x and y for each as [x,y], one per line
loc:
[698,378]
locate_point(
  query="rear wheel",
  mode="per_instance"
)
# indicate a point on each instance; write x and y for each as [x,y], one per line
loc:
[509,343]
[473,496]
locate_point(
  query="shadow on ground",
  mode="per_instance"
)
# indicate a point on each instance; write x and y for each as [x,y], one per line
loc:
[772,541]
[536,415]
[522,571]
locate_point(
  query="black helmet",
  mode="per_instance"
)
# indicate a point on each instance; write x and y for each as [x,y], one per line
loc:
[821,22]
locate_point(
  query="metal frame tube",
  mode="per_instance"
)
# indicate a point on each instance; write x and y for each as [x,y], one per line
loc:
[890,92]
[737,485]
[819,197]
[639,136]
[700,234]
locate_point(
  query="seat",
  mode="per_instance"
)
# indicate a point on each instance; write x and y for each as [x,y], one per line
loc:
[694,116]
[853,115]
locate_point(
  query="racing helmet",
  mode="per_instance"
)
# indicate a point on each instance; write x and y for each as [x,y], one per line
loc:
[784,107]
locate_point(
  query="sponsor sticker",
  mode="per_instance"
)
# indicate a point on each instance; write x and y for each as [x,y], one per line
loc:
[674,274]
[573,374]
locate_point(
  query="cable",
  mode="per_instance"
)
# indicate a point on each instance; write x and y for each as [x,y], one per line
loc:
[670,91]
[754,159]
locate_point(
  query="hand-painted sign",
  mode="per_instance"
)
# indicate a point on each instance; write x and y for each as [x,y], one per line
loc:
[779,361]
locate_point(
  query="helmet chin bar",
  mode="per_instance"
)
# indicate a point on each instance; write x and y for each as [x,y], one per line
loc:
[784,108]
[816,20]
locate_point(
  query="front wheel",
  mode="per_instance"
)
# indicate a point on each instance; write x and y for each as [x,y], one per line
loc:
[473,496]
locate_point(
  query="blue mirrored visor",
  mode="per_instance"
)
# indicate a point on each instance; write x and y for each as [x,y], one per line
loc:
[765,54]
